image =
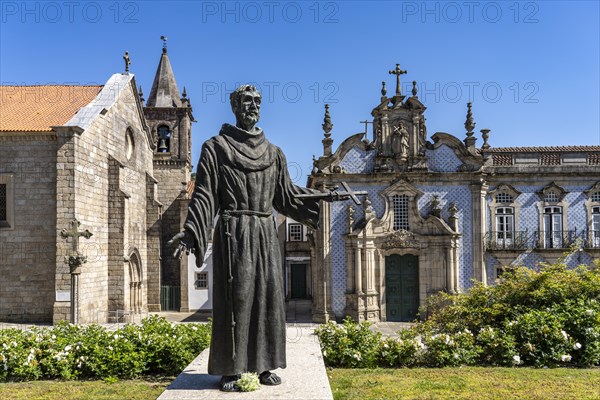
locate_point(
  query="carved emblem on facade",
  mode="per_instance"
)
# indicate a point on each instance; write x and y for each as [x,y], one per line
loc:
[401,239]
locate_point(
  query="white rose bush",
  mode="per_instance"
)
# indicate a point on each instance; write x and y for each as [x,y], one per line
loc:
[549,318]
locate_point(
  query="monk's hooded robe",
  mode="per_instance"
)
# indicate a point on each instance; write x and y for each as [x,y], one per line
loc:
[241,177]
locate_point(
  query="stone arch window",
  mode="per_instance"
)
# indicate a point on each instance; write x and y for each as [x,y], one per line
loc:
[164,139]
[593,208]
[129,143]
[504,210]
[400,207]
[135,284]
[553,233]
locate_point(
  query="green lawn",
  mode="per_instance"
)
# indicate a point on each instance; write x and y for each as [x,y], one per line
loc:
[362,384]
[84,390]
[465,383]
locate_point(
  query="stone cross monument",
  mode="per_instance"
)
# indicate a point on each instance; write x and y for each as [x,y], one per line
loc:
[75,260]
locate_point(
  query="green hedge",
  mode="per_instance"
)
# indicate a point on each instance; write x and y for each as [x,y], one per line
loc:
[69,351]
[542,319]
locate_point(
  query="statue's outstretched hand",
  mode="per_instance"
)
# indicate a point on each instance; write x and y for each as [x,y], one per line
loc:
[185,245]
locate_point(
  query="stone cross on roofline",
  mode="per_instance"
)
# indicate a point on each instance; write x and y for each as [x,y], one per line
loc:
[398,72]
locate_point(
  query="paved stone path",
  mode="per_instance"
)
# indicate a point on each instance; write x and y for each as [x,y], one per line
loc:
[305,378]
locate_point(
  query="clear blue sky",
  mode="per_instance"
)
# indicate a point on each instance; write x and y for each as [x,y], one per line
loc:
[531,68]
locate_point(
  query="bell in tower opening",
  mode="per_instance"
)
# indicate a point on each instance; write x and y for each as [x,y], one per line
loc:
[164,139]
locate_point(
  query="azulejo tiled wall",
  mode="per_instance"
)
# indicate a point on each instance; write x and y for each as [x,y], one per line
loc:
[447,194]
[461,195]
[339,226]
[358,161]
[442,159]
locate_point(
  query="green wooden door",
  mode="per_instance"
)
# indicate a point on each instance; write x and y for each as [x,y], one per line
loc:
[402,287]
[298,281]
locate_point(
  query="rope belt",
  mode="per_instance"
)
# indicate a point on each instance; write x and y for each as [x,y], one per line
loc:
[226,217]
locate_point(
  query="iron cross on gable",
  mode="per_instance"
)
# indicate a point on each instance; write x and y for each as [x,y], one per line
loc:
[398,72]
[75,234]
[127,62]
[366,125]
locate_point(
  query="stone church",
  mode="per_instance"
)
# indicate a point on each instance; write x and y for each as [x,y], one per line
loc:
[441,212]
[81,160]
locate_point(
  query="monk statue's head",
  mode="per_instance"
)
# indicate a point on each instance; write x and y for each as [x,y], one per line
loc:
[245,103]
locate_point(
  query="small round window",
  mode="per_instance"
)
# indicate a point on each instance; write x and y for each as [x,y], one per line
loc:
[130,145]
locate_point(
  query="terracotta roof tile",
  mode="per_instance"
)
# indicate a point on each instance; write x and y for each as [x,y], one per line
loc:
[543,149]
[37,108]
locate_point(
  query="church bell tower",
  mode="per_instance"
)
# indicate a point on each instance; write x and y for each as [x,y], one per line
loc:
[169,117]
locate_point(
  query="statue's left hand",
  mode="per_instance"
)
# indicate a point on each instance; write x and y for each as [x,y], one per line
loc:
[185,245]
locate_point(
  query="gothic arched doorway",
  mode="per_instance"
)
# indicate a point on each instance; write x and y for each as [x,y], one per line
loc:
[135,284]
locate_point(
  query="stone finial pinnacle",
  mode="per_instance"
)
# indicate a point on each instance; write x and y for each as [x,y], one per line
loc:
[414,89]
[470,122]
[184,93]
[383,90]
[327,125]
[141,93]
[485,134]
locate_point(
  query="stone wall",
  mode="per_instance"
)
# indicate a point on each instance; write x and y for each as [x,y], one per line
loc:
[171,176]
[110,199]
[27,250]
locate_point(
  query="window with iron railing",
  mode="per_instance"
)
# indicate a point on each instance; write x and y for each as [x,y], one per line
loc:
[553,236]
[505,226]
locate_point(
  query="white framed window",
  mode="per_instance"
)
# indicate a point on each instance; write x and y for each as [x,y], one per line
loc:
[553,227]
[400,206]
[505,226]
[295,232]
[595,226]
[6,202]
[201,281]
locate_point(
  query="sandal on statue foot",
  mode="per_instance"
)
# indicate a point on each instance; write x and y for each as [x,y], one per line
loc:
[228,383]
[270,379]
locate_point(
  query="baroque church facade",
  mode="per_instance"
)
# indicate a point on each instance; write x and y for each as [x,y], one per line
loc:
[441,213]
[93,161]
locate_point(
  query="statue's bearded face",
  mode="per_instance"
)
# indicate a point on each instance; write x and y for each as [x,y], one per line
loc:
[247,111]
